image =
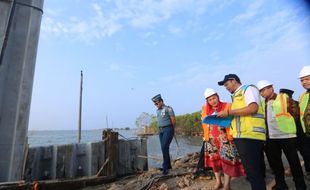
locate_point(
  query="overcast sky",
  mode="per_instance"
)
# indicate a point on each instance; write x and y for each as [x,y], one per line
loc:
[132,50]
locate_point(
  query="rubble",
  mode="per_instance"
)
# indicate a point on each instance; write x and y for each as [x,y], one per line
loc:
[181,177]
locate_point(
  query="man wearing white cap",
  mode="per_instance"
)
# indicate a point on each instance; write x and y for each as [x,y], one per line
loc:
[304,106]
[281,135]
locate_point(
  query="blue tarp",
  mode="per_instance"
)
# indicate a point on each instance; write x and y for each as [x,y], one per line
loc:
[214,120]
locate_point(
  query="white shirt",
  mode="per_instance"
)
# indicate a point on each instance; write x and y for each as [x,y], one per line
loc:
[251,95]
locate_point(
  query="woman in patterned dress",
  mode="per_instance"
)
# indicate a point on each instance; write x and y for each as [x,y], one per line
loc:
[220,152]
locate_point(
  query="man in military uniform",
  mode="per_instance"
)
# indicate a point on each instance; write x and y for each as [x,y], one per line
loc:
[165,122]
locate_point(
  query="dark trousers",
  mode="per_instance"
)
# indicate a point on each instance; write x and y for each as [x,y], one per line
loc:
[251,154]
[165,138]
[273,151]
[303,146]
[201,161]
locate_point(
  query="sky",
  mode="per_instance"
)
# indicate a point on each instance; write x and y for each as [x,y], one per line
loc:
[131,50]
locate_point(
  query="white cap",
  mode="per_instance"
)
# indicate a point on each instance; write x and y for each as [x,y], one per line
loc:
[305,71]
[209,92]
[262,84]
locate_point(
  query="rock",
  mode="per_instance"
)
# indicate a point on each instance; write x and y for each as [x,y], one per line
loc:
[163,186]
[185,181]
[116,187]
[185,159]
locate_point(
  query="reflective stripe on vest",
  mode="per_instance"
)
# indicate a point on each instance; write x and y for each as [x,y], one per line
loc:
[285,120]
[303,101]
[250,126]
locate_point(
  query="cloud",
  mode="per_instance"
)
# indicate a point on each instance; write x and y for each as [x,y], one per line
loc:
[194,75]
[252,10]
[110,17]
[85,29]
[175,30]
[284,25]
[213,36]
[279,47]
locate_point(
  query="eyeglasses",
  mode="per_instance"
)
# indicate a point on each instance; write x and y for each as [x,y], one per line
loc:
[156,103]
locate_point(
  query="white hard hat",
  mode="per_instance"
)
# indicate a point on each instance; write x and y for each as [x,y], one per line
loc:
[262,84]
[305,71]
[209,92]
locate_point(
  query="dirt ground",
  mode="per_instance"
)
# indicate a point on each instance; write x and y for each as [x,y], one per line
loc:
[181,178]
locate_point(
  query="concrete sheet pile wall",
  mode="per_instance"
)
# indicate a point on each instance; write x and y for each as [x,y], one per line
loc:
[78,160]
[129,160]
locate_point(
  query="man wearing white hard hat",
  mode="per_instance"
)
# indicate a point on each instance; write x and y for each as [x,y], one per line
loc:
[304,77]
[304,106]
[281,136]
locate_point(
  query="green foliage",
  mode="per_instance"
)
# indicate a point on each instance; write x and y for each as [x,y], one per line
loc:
[187,124]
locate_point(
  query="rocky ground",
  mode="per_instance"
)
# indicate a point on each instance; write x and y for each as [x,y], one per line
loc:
[182,177]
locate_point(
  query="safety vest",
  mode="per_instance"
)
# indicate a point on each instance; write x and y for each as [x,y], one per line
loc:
[284,119]
[303,102]
[206,127]
[250,126]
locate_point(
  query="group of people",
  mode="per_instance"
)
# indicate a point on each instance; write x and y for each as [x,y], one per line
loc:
[262,122]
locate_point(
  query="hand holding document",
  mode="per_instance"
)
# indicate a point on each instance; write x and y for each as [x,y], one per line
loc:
[215,120]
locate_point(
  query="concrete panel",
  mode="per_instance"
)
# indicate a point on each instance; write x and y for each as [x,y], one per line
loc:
[129,160]
[17,63]
[5,9]
[125,161]
[64,160]
[142,163]
[39,164]
[80,160]
[97,157]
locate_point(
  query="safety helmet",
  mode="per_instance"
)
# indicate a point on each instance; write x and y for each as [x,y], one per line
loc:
[305,71]
[262,84]
[209,92]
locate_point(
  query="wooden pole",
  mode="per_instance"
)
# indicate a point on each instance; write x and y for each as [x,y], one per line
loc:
[80,110]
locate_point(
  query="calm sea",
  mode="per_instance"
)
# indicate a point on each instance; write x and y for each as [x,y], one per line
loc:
[178,148]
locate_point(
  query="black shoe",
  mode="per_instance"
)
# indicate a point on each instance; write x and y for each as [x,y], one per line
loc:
[197,173]
[280,187]
[165,172]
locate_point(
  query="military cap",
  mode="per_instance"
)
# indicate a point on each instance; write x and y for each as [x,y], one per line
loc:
[287,91]
[157,98]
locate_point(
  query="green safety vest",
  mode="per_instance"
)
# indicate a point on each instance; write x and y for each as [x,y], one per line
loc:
[303,101]
[250,126]
[285,120]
